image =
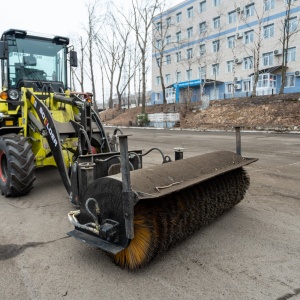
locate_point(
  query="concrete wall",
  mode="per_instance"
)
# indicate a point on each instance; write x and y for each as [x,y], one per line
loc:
[163,120]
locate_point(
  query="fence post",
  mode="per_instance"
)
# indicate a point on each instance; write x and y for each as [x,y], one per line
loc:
[238,140]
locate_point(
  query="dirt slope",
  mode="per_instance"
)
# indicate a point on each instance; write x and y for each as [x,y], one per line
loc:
[277,113]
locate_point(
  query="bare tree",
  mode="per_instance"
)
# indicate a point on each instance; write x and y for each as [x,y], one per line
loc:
[91,31]
[289,28]
[123,30]
[202,58]
[232,44]
[128,86]
[86,44]
[112,45]
[254,47]
[217,44]
[79,74]
[143,12]
[161,40]
[102,83]
[186,58]
[108,50]
[137,75]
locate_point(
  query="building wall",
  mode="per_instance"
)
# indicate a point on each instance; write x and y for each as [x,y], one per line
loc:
[267,29]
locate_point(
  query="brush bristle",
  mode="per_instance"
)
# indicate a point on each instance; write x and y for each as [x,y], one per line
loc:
[160,224]
[139,248]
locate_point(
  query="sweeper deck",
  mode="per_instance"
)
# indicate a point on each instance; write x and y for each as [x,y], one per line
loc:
[138,215]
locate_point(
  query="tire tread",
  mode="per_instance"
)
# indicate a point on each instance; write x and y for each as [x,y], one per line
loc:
[22,165]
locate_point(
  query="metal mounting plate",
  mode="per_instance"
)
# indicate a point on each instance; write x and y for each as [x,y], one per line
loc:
[96,242]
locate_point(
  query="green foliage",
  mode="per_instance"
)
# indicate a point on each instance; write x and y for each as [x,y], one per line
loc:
[142,120]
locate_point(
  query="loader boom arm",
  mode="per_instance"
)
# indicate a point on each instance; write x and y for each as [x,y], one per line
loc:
[51,136]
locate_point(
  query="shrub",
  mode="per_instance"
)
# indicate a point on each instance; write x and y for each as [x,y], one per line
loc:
[142,120]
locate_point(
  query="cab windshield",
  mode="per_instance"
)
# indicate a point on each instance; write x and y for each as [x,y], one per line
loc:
[36,60]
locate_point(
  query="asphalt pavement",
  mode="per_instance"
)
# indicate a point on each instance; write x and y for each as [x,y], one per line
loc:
[251,252]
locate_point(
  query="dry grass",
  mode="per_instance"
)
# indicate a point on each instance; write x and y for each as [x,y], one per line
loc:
[280,115]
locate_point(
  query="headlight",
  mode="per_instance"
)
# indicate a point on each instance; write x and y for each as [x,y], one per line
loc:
[3,95]
[13,94]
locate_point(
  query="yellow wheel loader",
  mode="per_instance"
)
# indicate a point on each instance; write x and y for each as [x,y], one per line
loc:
[134,214]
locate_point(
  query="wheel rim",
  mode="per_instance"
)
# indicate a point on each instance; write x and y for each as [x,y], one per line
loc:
[3,166]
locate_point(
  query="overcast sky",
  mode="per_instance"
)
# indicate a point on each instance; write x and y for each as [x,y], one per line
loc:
[55,17]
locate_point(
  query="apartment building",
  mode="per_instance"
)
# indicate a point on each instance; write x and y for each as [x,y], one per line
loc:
[216,49]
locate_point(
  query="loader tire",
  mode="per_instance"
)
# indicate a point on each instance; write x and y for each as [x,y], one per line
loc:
[16,166]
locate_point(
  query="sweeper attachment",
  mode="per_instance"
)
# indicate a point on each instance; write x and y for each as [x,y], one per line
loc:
[137,215]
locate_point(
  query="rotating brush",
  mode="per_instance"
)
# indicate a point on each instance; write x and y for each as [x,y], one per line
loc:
[164,222]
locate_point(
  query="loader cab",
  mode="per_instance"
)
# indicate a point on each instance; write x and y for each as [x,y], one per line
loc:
[33,61]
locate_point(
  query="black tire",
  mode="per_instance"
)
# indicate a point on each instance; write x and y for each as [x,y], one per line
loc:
[16,166]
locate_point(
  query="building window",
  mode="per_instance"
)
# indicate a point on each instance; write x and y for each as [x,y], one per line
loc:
[273,80]
[215,69]
[268,31]
[231,41]
[264,80]
[216,23]
[202,6]
[178,17]
[170,93]
[246,86]
[202,49]
[178,36]
[189,53]
[158,26]
[216,2]
[189,74]
[291,54]
[249,36]
[248,63]
[168,78]
[190,12]
[189,32]
[292,25]
[157,97]
[202,27]
[168,59]
[178,76]
[229,66]
[289,81]
[168,22]
[269,4]
[158,44]
[178,56]
[232,17]
[229,88]
[249,10]
[216,46]
[202,72]
[268,59]
[157,80]
[168,40]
